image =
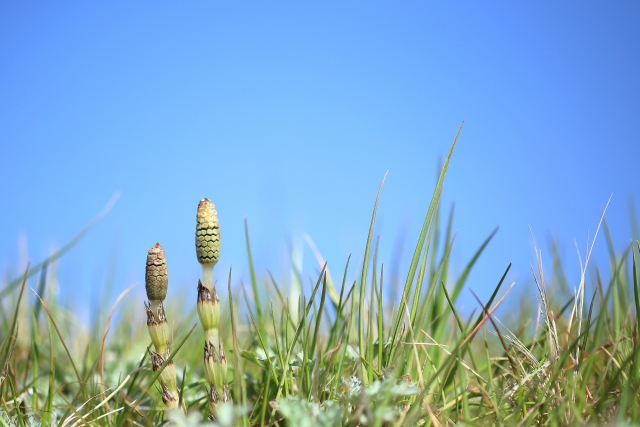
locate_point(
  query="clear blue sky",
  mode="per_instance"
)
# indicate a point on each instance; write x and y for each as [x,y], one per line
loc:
[291,112]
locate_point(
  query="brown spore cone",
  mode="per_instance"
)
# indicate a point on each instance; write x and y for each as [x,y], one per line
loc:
[156,276]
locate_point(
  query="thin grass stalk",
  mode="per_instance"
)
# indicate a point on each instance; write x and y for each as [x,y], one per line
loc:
[9,343]
[636,288]
[369,356]
[314,341]
[460,326]
[305,309]
[363,279]
[254,283]
[346,337]
[56,255]
[416,255]
[48,406]
[307,318]
[239,382]
[340,317]
[418,291]
[380,319]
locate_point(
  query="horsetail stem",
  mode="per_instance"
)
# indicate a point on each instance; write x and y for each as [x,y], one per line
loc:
[215,398]
[158,327]
[168,398]
[209,312]
[156,284]
[167,378]
[207,240]
[207,252]
[215,365]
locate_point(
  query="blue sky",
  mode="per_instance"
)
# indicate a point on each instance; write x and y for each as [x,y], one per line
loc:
[290,113]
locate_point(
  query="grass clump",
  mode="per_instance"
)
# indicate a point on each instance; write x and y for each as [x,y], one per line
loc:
[342,354]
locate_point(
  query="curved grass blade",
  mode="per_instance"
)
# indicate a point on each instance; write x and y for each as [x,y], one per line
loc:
[9,343]
[66,247]
[416,255]
[66,349]
[465,273]
[636,288]
[365,266]
[254,283]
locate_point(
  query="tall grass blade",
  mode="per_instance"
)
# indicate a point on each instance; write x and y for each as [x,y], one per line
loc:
[41,285]
[239,384]
[365,266]
[467,269]
[36,268]
[9,342]
[64,344]
[416,255]
[254,283]
[636,289]
[314,341]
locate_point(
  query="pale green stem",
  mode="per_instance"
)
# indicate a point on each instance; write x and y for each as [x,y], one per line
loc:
[211,335]
[207,275]
[154,306]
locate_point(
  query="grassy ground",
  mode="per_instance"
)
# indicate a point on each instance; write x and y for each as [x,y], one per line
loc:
[340,355]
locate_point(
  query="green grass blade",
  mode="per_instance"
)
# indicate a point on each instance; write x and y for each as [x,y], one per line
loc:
[41,285]
[340,316]
[346,338]
[460,326]
[467,269]
[368,355]
[380,321]
[439,318]
[254,283]
[9,342]
[365,266]
[319,317]
[636,289]
[14,395]
[239,384]
[416,255]
[36,268]
[306,308]
[635,234]
[493,296]
[418,291]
